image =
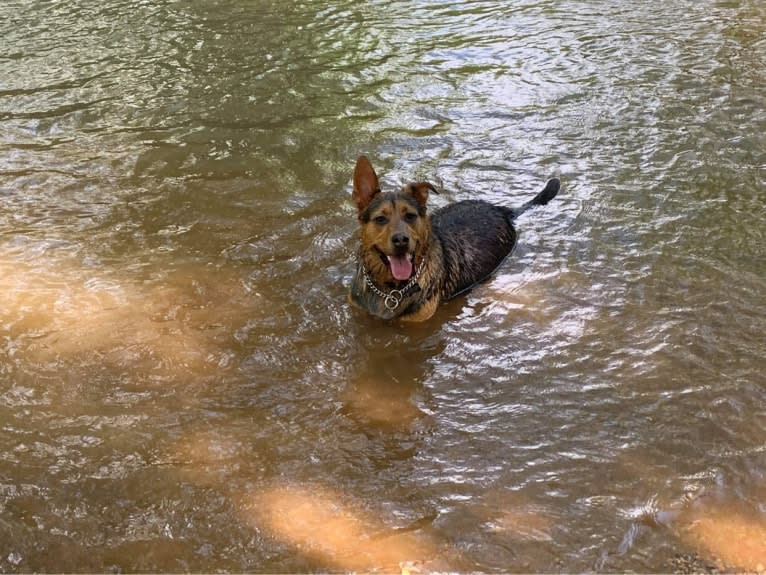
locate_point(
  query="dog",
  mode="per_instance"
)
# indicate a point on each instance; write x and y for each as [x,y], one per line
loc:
[409,262]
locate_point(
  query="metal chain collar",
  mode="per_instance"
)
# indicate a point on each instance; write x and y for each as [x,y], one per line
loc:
[393,298]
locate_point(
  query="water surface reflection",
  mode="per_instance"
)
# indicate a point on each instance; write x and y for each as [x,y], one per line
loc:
[184,386]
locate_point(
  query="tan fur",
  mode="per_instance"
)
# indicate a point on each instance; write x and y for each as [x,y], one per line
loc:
[374,236]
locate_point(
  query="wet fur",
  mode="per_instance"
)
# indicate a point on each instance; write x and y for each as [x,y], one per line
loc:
[452,249]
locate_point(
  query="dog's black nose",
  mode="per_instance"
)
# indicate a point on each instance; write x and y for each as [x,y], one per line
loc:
[400,241]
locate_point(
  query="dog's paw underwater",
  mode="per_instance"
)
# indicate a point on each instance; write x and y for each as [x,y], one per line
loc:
[409,261]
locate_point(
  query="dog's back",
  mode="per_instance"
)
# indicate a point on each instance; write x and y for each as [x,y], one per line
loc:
[476,237]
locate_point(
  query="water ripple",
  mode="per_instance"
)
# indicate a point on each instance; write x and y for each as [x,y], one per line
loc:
[176,236]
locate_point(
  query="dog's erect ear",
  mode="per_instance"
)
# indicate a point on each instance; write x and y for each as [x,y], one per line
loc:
[419,191]
[365,183]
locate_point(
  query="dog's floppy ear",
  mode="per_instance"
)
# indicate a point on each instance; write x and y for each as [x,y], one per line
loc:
[419,191]
[365,183]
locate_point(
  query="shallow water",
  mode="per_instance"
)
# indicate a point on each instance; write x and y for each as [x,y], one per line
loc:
[183,386]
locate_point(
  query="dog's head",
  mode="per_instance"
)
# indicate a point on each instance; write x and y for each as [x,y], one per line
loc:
[394,225]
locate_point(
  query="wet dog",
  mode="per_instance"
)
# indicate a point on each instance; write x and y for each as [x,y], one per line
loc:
[409,261]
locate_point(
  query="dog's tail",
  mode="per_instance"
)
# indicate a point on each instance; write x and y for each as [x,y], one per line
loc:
[549,192]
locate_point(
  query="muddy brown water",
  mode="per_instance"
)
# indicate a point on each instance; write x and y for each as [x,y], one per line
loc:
[183,386]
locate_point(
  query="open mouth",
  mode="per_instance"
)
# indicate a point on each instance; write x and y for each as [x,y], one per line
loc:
[400,265]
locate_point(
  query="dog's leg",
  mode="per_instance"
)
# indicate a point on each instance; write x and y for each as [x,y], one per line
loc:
[423,312]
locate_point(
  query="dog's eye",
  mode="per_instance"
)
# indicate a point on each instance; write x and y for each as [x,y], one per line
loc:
[410,217]
[380,220]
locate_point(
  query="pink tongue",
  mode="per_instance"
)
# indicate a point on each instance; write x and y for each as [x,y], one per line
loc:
[401,267]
